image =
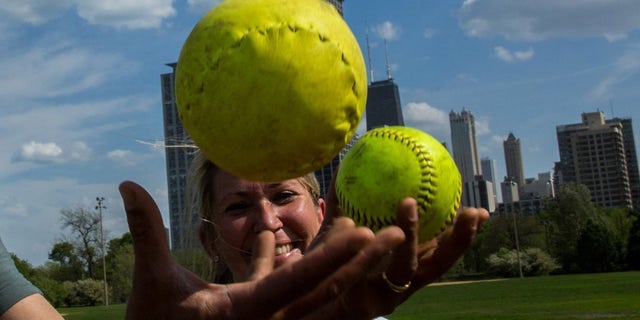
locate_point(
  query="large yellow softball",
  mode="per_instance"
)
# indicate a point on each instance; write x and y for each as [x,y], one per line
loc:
[271,89]
[391,163]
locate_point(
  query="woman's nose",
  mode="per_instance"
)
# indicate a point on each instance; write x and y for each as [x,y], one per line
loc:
[267,217]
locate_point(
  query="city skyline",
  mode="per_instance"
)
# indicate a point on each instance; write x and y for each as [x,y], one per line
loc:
[81,107]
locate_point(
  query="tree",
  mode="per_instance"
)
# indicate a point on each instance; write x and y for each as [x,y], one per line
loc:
[85,227]
[51,289]
[597,249]
[120,268]
[23,266]
[563,218]
[619,221]
[633,244]
[67,265]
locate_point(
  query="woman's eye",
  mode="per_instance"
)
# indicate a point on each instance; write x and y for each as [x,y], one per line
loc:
[236,208]
[284,197]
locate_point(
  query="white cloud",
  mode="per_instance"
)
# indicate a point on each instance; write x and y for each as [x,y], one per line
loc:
[50,152]
[34,12]
[66,126]
[387,31]
[544,19]
[503,54]
[79,151]
[139,14]
[38,152]
[482,126]
[625,67]
[82,121]
[55,67]
[509,56]
[125,157]
[427,118]
[524,55]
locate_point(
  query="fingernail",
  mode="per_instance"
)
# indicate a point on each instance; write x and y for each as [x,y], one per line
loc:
[128,197]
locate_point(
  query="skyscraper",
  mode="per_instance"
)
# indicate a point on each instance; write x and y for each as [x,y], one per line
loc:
[601,155]
[632,158]
[383,105]
[465,153]
[513,159]
[490,173]
[178,158]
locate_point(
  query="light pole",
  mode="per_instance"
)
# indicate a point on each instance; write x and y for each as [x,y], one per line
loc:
[99,207]
[515,230]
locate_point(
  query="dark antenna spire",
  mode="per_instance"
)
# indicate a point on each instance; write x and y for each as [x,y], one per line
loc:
[369,57]
[611,107]
[386,49]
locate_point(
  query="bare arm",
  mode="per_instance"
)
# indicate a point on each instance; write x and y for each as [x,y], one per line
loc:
[33,307]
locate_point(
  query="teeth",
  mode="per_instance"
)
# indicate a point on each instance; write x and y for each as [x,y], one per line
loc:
[283,249]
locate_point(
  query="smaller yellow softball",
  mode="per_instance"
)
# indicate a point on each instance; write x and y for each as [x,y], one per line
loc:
[389,164]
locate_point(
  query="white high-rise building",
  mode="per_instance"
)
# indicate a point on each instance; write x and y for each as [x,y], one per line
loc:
[601,155]
[465,153]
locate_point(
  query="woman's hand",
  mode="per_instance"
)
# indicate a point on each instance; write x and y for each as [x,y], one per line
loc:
[162,289]
[410,267]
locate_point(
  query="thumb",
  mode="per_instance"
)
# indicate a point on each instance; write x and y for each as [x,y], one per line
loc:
[145,224]
[264,251]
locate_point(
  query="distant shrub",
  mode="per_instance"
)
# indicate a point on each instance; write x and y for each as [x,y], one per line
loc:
[87,292]
[534,261]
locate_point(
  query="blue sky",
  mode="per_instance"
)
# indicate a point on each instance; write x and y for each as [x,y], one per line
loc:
[80,106]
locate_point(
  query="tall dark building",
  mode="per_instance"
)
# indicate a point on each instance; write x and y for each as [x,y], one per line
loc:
[601,155]
[383,105]
[513,159]
[178,158]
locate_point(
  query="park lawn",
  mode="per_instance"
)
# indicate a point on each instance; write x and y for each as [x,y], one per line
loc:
[112,312]
[585,296]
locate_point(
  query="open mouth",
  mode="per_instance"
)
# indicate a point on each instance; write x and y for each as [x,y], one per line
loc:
[287,248]
[282,249]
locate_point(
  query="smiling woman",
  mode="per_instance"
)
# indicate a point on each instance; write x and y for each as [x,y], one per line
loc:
[290,254]
[234,211]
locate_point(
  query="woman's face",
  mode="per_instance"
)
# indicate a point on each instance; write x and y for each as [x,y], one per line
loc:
[242,209]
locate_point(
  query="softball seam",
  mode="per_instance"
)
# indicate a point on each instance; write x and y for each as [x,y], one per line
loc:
[264,30]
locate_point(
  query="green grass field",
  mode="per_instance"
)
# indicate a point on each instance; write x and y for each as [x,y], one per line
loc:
[113,312]
[588,296]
